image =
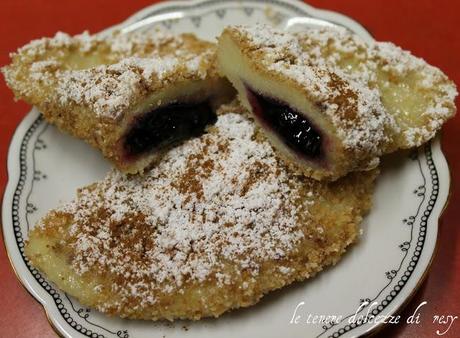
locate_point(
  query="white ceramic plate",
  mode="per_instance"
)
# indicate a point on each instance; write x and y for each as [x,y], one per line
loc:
[46,167]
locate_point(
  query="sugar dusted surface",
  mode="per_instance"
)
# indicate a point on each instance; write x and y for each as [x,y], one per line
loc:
[354,109]
[400,77]
[112,89]
[93,86]
[106,74]
[222,197]
[218,223]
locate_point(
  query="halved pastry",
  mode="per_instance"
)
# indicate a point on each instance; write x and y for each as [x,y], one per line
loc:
[418,96]
[130,95]
[216,225]
[324,119]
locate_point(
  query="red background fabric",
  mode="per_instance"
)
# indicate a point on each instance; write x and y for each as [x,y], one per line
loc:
[428,28]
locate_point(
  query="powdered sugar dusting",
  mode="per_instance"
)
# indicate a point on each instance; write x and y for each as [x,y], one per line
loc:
[107,74]
[382,65]
[219,198]
[111,89]
[277,43]
[352,106]
[83,41]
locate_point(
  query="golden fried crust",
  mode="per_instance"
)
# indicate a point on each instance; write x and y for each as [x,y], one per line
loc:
[368,100]
[92,87]
[349,114]
[418,96]
[229,224]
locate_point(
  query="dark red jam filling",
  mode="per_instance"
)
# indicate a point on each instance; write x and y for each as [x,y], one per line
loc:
[167,125]
[296,131]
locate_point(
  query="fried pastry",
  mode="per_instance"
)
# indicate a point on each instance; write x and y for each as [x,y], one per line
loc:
[417,95]
[218,223]
[130,95]
[330,103]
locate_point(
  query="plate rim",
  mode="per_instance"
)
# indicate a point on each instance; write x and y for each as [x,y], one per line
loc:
[21,129]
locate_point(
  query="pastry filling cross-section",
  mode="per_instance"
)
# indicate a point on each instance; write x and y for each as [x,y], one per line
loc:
[167,125]
[294,129]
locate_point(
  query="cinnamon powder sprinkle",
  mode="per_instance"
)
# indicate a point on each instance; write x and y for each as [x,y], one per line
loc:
[197,209]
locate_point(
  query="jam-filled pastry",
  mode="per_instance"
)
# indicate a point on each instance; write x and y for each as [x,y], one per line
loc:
[218,223]
[130,95]
[323,118]
[418,96]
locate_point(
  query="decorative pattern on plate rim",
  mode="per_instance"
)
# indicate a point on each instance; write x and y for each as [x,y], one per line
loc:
[420,191]
[83,313]
[66,315]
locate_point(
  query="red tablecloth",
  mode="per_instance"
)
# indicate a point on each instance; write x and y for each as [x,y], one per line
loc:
[428,28]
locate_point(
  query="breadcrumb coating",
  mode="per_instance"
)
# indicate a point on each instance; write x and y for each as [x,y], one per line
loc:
[367,100]
[420,97]
[219,223]
[93,87]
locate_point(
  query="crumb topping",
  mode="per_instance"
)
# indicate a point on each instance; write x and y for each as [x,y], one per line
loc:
[110,90]
[354,109]
[223,197]
[107,74]
[419,96]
